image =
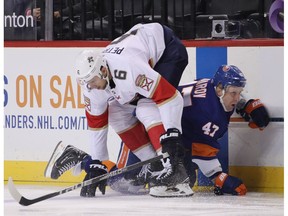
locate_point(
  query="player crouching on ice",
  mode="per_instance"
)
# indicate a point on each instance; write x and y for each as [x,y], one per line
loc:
[204,121]
[208,106]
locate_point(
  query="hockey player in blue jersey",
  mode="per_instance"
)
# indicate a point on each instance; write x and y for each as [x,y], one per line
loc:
[208,106]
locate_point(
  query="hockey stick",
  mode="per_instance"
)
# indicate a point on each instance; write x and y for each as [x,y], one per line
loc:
[26,202]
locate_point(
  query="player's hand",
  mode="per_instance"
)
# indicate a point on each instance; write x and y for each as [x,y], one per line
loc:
[93,169]
[255,112]
[225,183]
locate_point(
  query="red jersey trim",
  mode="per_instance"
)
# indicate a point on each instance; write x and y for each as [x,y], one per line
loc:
[97,122]
[163,91]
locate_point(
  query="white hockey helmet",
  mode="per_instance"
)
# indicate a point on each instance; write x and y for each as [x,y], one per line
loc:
[88,65]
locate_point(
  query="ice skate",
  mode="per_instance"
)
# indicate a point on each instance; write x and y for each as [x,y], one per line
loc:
[168,181]
[63,159]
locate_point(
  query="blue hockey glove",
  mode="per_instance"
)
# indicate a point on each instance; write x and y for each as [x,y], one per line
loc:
[225,183]
[93,169]
[255,111]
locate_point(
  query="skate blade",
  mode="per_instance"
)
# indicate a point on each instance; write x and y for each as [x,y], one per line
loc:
[59,149]
[180,190]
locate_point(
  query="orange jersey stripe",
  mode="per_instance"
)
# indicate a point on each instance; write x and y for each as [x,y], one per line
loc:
[99,121]
[123,157]
[203,150]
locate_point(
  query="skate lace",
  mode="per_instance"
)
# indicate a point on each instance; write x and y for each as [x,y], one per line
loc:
[66,167]
[144,171]
[165,172]
[79,153]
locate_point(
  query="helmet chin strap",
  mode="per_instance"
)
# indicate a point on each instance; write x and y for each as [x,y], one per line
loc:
[221,100]
[100,75]
[107,79]
[103,78]
[88,87]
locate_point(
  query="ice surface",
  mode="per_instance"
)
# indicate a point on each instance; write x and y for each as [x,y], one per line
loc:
[116,204]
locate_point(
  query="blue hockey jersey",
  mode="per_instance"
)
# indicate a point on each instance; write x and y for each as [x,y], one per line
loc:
[204,119]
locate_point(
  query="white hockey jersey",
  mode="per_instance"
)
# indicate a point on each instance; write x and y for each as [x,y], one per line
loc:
[131,59]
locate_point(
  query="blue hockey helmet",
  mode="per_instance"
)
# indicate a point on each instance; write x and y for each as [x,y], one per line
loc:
[229,75]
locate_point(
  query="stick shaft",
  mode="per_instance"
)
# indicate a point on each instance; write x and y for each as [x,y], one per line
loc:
[25,202]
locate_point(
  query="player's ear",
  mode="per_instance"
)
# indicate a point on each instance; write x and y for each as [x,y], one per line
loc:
[107,73]
[219,89]
[104,71]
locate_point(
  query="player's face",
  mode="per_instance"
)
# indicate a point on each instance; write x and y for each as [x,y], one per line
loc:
[97,83]
[231,97]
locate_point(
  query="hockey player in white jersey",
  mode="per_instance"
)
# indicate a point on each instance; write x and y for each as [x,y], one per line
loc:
[138,71]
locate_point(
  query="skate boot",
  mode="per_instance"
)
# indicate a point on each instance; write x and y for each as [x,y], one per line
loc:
[169,181]
[141,177]
[63,159]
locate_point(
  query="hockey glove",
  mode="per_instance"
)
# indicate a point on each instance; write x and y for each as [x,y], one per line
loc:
[171,142]
[93,169]
[254,110]
[225,183]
